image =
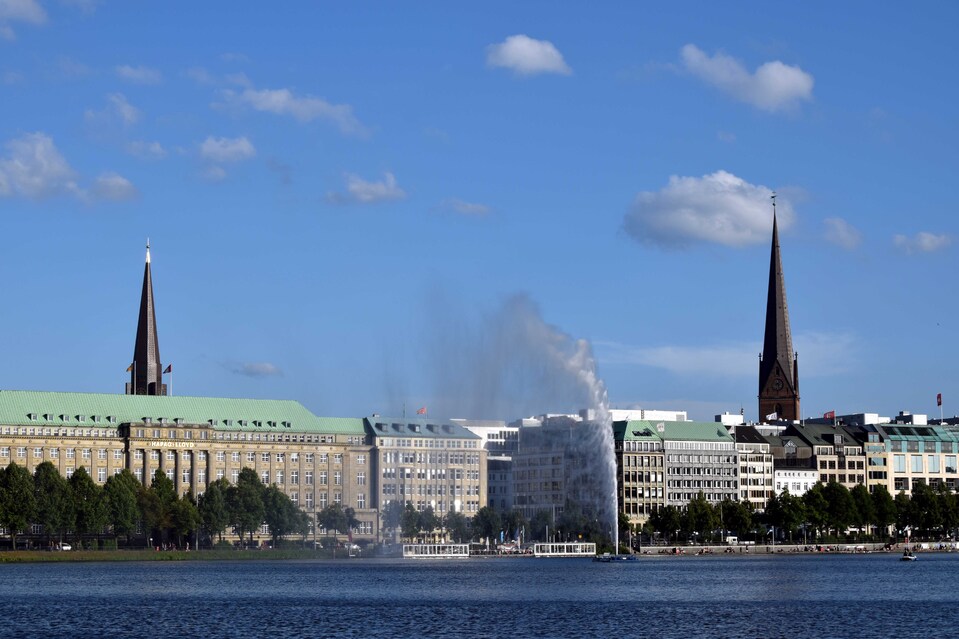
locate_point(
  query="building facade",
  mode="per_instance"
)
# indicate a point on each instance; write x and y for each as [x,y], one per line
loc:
[699,457]
[640,469]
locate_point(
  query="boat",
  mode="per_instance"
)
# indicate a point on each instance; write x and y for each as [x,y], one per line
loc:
[908,556]
[436,551]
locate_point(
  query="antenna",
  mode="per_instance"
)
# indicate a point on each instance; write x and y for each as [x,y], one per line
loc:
[773,198]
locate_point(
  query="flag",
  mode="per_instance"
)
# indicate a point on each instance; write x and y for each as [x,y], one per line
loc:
[939,399]
[830,415]
[168,369]
[421,411]
[772,416]
[130,368]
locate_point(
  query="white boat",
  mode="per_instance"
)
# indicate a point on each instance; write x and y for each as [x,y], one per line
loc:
[564,549]
[436,551]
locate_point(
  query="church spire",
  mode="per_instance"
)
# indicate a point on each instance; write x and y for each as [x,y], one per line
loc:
[146,373]
[778,365]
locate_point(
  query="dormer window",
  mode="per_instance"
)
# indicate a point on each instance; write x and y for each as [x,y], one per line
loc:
[32,417]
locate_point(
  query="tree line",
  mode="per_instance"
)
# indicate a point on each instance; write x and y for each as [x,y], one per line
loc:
[123,508]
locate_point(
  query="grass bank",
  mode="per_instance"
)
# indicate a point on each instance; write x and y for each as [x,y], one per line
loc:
[33,556]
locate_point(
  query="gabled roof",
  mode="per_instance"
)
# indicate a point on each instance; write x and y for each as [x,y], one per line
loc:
[72,410]
[635,430]
[749,435]
[683,431]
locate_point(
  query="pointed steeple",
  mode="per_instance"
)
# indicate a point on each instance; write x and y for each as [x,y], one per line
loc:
[778,366]
[146,373]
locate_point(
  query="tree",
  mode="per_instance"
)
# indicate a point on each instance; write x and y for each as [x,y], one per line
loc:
[815,502]
[884,509]
[865,510]
[514,522]
[736,515]
[338,519]
[120,494]
[410,521]
[904,513]
[949,506]
[840,508]
[392,516]
[17,501]
[91,510]
[540,524]
[156,505]
[185,518]
[457,526]
[428,521]
[700,516]
[54,501]
[666,520]
[213,510]
[280,513]
[487,523]
[926,508]
[245,503]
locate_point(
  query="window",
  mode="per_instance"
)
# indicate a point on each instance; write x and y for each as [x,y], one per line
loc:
[201,455]
[899,463]
[138,473]
[309,501]
[323,478]
[279,477]
[932,463]
[220,455]
[265,457]
[251,457]
[219,473]
[201,476]
[233,475]
[324,458]
[337,498]
[185,474]
[5,451]
[294,457]
[87,453]
[916,463]
[361,479]
[54,453]
[308,477]
[337,458]
[265,477]
[69,472]
[361,501]
[155,455]
[294,477]
[38,452]
[323,500]
[169,474]
[117,454]
[309,458]
[295,498]
[279,458]
[950,463]
[102,453]
[235,456]
[361,460]
[337,478]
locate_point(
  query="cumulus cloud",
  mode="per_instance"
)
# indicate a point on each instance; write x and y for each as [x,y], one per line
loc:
[719,208]
[302,108]
[774,86]
[922,242]
[146,150]
[820,354]
[462,207]
[139,75]
[359,191]
[113,187]
[526,56]
[258,369]
[26,11]
[227,149]
[118,108]
[842,233]
[34,168]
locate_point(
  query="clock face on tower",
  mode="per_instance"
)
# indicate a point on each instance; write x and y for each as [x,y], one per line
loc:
[778,384]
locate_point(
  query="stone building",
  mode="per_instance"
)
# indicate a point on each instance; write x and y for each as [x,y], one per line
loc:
[640,477]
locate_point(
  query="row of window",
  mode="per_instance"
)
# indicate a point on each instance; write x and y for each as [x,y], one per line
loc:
[69,453]
[932,465]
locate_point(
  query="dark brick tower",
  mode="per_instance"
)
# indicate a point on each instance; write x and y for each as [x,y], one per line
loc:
[778,364]
[146,373]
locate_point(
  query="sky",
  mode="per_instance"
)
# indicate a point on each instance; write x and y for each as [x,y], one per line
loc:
[338,196]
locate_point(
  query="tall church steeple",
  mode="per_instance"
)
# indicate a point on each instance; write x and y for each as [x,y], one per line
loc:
[778,364]
[146,373]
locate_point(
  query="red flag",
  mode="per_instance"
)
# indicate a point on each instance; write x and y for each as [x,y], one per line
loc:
[169,369]
[421,411]
[830,415]
[939,399]
[130,368]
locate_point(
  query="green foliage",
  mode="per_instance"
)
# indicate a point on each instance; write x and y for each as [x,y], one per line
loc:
[816,507]
[392,515]
[736,516]
[54,501]
[666,520]
[120,493]
[700,517]
[540,522]
[487,523]
[280,513]
[213,509]
[17,501]
[904,515]
[428,520]
[89,504]
[884,508]
[245,503]
[410,521]
[457,526]
[185,518]
[865,511]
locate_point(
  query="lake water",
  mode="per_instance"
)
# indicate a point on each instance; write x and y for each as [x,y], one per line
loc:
[772,596]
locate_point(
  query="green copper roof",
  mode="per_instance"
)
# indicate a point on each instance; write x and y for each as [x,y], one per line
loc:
[418,428]
[682,431]
[101,410]
[636,430]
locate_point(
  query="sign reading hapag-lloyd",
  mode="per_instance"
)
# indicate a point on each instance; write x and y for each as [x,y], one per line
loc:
[171,444]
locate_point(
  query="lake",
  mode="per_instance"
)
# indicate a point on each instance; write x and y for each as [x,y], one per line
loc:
[716,596]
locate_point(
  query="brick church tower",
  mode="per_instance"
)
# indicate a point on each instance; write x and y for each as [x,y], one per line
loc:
[778,364]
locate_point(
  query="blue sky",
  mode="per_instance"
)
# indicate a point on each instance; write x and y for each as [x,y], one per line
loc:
[334,192]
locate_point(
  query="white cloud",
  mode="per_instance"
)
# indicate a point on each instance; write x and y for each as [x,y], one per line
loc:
[146,150]
[301,108]
[258,369]
[35,169]
[117,109]
[113,187]
[922,242]
[772,87]
[842,233]
[464,208]
[526,56]
[26,11]
[199,75]
[719,208]
[820,354]
[139,75]
[214,173]
[227,149]
[360,191]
